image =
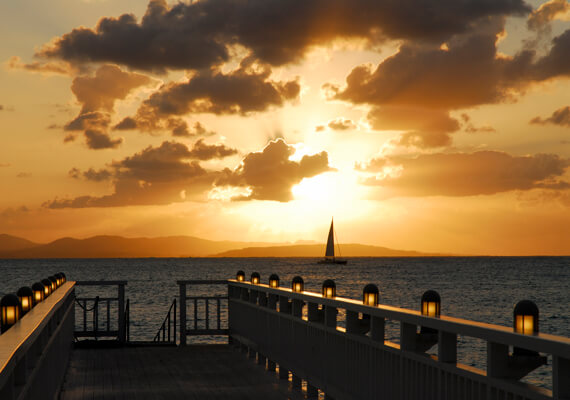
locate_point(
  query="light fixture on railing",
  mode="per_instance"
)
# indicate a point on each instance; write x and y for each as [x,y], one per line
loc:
[297,284]
[59,279]
[370,295]
[255,278]
[63,277]
[274,281]
[39,292]
[10,310]
[525,317]
[431,304]
[26,296]
[54,284]
[47,287]
[240,276]
[329,288]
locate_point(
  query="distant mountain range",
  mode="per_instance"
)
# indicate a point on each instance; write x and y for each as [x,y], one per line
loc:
[178,246]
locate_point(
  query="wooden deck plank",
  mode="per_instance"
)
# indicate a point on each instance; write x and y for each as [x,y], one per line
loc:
[192,372]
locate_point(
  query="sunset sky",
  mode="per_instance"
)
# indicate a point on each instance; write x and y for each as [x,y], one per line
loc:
[439,126]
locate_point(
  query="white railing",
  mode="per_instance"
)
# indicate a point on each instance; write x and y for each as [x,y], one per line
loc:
[357,362]
[34,352]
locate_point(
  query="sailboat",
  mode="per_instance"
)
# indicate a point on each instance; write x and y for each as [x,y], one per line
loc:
[329,252]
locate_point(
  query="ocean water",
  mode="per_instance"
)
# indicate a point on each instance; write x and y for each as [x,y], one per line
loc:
[476,288]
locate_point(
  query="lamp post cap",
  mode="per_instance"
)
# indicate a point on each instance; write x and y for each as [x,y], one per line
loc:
[431,295]
[370,288]
[525,307]
[10,300]
[25,291]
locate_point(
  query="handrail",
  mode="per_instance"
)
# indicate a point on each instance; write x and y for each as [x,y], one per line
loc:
[122,320]
[346,362]
[543,342]
[35,350]
[166,326]
[184,332]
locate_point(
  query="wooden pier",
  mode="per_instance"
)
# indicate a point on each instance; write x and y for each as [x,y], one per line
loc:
[283,344]
[186,373]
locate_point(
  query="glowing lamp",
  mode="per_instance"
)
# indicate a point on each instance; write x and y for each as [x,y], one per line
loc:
[47,287]
[329,288]
[297,284]
[54,284]
[431,304]
[370,295]
[63,277]
[26,296]
[10,310]
[59,279]
[39,292]
[240,276]
[525,317]
[274,281]
[255,278]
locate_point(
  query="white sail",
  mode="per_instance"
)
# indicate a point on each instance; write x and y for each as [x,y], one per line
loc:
[330,243]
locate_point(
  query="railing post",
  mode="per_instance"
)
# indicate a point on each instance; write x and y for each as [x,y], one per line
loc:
[447,347]
[560,374]
[330,316]
[497,359]
[121,325]
[407,336]
[313,312]
[377,327]
[182,314]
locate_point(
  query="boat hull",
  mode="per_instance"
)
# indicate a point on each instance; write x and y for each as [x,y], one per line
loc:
[331,261]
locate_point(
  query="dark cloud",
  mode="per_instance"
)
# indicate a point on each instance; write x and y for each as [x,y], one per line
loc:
[467,72]
[469,127]
[540,18]
[156,175]
[126,124]
[270,174]
[1,107]
[97,140]
[97,95]
[91,174]
[241,91]
[467,174]
[559,117]
[89,120]
[110,83]
[197,35]
[425,127]
[341,124]
[58,67]
[203,151]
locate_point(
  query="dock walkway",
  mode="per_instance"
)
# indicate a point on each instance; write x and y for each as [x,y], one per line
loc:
[191,372]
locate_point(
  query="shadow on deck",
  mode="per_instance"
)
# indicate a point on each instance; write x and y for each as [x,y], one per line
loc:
[191,372]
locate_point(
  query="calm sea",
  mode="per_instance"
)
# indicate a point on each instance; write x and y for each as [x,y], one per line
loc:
[477,288]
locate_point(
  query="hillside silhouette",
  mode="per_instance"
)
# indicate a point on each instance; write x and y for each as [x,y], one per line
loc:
[178,246]
[317,250]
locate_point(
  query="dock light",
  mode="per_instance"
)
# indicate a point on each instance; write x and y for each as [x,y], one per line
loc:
[370,295]
[240,276]
[11,311]
[525,317]
[431,304]
[329,288]
[54,284]
[39,292]
[297,284]
[274,281]
[64,278]
[47,287]
[59,279]
[26,296]
[255,278]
